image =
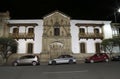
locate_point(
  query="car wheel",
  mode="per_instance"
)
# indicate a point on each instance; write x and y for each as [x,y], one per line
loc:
[70,61]
[15,63]
[91,61]
[34,63]
[53,62]
[106,60]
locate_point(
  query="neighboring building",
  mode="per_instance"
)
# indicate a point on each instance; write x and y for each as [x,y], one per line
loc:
[57,34]
[4,29]
[116,33]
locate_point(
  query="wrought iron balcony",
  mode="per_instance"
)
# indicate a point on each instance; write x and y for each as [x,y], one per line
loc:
[22,35]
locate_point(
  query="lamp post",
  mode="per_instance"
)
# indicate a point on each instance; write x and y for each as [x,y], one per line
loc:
[115,14]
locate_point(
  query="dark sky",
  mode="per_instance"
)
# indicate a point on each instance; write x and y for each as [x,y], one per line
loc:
[77,9]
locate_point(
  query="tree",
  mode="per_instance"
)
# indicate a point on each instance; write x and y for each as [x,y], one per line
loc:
[8,46]
[108,44]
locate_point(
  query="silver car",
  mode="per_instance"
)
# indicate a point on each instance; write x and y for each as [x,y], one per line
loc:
[62,59]
[27,59]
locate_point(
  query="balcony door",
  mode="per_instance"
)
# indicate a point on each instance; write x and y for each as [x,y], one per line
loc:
[15,31]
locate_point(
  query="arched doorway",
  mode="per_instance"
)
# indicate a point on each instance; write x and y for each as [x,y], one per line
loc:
[56,49]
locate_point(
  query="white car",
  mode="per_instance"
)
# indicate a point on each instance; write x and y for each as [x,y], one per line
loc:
[62,59]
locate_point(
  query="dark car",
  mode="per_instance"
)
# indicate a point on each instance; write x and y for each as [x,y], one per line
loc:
[97,58]
[116,58]
[62,59]
[27,59]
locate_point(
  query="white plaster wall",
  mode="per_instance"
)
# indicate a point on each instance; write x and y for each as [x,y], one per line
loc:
[38,37]
[37,42]
[90,43]
[107,30]
[90,46]
[75,40]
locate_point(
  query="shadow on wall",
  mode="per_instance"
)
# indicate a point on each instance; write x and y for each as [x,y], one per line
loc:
[82,56]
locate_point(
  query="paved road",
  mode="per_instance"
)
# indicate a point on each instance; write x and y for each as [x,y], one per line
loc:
[103,70]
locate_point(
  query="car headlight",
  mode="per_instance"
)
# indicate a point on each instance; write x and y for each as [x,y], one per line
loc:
[50,62]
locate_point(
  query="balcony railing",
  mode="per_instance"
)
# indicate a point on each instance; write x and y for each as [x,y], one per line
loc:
[90,35]
[22,35]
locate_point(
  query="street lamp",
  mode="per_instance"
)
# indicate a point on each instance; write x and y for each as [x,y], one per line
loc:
[115,14]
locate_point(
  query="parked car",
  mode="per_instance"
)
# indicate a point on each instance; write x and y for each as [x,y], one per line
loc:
[27,59]
[116,58]
[62,59]
[97,58]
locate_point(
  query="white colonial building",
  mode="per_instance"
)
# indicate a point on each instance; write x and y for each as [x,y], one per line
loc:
[56,34]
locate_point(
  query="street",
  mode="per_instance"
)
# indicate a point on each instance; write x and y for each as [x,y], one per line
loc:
[103,70]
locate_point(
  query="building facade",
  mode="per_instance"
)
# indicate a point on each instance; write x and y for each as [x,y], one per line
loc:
[56,34]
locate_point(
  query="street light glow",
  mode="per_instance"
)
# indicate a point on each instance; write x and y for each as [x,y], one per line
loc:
[119,10]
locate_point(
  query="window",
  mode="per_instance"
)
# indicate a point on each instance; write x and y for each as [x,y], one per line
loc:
[82,48]
[15,30]
[97,47]
[82,30]
[56,31]
[119,31]
[30,48]
[30,30]
[96,31]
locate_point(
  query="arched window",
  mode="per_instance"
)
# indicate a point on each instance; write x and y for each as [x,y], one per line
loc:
[56,29]
[30,48]
[82,30]
[82,48]
[15,30]
[96,31]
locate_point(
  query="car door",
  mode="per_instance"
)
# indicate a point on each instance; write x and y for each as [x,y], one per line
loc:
[66,59]
[61,59]
[96,57]
[25,59]
[22,60]
[101,57]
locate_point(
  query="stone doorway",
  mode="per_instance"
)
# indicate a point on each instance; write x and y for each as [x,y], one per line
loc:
[56,49]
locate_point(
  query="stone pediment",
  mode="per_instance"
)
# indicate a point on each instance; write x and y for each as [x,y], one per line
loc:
[56,14]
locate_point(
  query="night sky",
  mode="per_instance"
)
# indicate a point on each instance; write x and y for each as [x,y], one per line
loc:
[77,9]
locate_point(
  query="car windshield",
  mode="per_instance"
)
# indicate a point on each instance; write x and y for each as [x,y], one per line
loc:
[65,56]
